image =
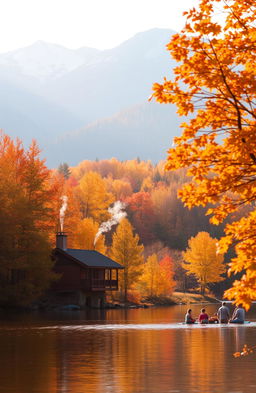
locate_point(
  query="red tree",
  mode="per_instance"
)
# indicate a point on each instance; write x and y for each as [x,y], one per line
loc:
[141,212]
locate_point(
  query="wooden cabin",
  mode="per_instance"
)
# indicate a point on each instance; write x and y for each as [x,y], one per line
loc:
[85,275]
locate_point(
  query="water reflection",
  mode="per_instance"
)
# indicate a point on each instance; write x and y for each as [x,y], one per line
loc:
[68,353]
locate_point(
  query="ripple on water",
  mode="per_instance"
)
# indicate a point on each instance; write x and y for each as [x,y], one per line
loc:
[130,326]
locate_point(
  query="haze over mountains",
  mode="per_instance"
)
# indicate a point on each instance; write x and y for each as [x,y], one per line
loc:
[86,103]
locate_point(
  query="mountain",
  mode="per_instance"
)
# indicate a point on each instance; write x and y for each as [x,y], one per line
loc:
[43,61]
[144,130]
[24,111]
[115,79]
[88,103]
[30,68]
[30,116]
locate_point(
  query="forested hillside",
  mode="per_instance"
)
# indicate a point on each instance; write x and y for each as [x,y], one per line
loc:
[102,205]
[150,194]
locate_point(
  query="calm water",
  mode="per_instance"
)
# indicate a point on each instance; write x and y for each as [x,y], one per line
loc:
[123,351]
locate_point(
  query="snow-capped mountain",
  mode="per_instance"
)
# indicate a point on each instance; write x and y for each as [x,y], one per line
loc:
[45,61]
[115,79]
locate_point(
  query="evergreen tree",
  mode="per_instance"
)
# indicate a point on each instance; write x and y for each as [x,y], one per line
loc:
[64,170]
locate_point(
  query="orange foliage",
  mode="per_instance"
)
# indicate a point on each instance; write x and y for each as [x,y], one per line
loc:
[215,84]
[25,216]
[72,215]
[120,188]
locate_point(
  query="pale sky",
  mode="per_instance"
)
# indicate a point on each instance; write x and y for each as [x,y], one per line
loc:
[100,24]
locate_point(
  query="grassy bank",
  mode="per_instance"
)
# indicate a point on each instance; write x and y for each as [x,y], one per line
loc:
[175,299]
[191,298]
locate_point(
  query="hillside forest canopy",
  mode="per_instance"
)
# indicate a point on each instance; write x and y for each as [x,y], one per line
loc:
[215,89]
[155,231]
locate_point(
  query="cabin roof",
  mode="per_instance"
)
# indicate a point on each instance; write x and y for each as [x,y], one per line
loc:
[91,258]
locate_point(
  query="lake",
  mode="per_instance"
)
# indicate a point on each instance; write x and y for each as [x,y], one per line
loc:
[124,351]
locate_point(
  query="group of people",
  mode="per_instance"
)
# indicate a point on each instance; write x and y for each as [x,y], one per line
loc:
[221,316]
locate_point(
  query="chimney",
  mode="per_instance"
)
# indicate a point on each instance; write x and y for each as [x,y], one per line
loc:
[61,240]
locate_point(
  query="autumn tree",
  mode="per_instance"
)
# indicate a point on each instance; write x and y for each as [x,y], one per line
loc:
[147,184]
[167,273]
[94,197]
[215,86]
[136,171]
[157,277]
[25,264]
[127,251]
[141,212]
[165,205]
[120,188]
[84,237]
[149,279]
[84,167]
[202,260]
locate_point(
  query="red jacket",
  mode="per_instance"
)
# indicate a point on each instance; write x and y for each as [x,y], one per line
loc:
[203,317]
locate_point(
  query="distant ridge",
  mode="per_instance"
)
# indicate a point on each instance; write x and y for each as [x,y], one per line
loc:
[144,130]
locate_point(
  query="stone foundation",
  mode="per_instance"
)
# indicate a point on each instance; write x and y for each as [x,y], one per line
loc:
[79,298]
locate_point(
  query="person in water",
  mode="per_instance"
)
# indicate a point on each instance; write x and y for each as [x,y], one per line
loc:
[203,316]
[188,317]
[238,315]
[223,313]
[214,319]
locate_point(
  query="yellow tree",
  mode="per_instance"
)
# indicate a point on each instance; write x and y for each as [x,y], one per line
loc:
[149,279]
[147,184]
[127,251]
[85,235]
[94,197]
[215,85]
[157,277]
[202,260]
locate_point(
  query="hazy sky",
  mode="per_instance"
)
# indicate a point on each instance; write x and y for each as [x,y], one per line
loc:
[100,24]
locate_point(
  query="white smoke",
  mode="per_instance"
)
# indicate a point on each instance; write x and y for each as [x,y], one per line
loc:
[63,209]
[117,214]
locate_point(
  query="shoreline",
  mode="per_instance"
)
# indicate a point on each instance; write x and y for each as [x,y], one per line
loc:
[177,298]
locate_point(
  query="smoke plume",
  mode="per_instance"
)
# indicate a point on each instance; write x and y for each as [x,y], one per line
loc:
[117,214]
[63,209]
